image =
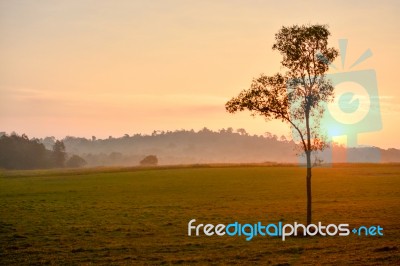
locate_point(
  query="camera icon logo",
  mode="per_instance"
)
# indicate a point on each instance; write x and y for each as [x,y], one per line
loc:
[354,110]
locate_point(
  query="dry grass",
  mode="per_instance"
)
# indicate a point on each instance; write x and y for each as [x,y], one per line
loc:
[140,216]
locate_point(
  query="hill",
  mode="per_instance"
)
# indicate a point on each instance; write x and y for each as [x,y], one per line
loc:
[206,146]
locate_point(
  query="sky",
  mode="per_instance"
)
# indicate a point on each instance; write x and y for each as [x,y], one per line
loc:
[109,68]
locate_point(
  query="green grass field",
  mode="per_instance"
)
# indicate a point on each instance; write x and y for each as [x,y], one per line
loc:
[140,216]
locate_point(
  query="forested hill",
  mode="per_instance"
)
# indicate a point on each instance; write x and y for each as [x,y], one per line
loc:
[178,147]
[204,146]
[181,147]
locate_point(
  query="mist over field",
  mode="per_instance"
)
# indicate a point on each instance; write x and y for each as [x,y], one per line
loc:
[205,146]
[179,147]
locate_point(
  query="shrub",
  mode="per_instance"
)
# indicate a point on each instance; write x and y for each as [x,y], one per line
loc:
[150,160]
[76,162]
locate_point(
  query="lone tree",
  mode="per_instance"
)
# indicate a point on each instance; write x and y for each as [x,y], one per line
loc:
[297,96]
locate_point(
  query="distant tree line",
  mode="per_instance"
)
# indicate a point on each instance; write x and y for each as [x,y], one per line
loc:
[170,147]
[20,152]
[180,147]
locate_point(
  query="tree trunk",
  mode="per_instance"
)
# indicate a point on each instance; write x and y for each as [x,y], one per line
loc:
[309,198]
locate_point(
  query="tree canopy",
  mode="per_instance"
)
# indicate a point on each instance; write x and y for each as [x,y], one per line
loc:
[20,152]
[297,96]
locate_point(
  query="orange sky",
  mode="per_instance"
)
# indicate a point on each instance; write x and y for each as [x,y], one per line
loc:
[105,68]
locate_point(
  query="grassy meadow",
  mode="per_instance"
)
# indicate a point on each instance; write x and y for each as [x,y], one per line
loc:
[140,216]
